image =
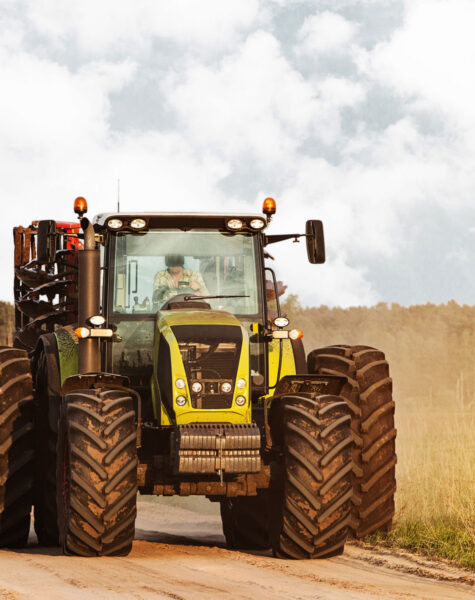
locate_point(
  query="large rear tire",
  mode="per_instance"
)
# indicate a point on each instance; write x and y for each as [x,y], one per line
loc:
[312,507]
[97,473]
[16,447]
[246,521]
[374,453]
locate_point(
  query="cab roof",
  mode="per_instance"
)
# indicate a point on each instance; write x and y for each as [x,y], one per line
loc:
[170,220]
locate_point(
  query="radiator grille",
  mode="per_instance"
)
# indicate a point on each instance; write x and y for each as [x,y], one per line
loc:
[210,356]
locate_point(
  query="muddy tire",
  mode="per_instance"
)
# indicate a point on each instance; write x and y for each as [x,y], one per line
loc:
[246,522]
[45,509]
[16,447]
[313,506]
[374,453]
[97,473]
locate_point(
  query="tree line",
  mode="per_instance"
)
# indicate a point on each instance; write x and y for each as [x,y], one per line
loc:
[429,347]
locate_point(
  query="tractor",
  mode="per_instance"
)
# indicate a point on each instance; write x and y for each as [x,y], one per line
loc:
[151,356]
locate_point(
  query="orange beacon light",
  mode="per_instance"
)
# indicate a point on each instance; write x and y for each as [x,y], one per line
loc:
[80,206]
[269,207]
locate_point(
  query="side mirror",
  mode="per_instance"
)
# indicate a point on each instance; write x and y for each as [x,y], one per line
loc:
[47,242]
[315,242]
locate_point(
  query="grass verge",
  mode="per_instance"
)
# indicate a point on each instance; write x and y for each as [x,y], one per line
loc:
[435,501]
[443,538]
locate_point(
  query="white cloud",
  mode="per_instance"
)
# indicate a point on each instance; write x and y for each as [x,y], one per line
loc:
[12,32]
[429,60]
[335,283]
[325,32]
[236,115]
[256,104]
[56,143]
[252,103]
[125,27]
[44,107]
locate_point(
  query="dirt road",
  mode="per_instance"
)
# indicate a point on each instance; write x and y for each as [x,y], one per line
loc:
[179,554]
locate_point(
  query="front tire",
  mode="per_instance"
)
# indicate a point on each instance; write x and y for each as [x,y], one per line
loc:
[97,472]
[374,454]
[313,516]
[16,447]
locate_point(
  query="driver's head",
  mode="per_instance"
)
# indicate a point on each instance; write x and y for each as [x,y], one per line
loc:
[174,260]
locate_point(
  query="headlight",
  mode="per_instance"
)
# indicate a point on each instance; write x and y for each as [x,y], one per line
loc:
[234,224]
[241,383]
[115,223]
[280,322]
[196,387]
[257,223]
[181,400]
[96,320]
[180,383]
[226,387]
[240,401]
[138,224]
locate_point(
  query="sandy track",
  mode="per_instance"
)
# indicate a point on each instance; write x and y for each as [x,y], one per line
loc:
[179,554]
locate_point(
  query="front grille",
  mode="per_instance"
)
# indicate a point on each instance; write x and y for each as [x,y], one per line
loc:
[222,361]
[215,361]
[210,355]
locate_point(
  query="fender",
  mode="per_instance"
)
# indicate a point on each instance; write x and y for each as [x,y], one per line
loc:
[307,385]
[67,349]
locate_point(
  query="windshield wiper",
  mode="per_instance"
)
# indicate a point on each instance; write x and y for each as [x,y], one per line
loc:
[187,298]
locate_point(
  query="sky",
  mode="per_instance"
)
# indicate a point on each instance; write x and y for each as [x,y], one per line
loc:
[357,112]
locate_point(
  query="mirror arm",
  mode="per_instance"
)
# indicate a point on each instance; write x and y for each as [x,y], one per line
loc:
[272,239]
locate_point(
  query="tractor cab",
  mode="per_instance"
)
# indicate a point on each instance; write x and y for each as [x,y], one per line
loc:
[186,298]
[181,295]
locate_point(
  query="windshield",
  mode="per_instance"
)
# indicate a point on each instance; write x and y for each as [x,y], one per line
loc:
[153,267]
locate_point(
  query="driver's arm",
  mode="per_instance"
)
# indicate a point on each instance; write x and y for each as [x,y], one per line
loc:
[161,285]
[197,284]
[159,280]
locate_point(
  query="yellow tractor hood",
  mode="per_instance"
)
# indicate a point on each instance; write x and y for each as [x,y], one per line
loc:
[169,321]
[170,318]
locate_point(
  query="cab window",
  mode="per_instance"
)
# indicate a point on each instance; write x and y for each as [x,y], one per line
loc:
[212,263]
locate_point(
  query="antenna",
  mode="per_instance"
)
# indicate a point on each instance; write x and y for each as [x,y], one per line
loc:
[118,195]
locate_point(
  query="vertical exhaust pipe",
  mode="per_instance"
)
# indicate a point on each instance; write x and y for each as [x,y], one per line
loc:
[89,299]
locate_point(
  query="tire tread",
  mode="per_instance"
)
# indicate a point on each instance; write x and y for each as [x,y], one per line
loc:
[98,473]
[374,453]
[16,447]
[315,512]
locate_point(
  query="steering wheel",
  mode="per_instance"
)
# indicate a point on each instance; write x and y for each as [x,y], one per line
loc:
[160,292]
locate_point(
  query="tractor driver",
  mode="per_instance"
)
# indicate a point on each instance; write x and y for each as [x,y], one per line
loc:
[176,279]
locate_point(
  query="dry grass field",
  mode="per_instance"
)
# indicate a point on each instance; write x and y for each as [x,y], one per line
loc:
[435,502]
